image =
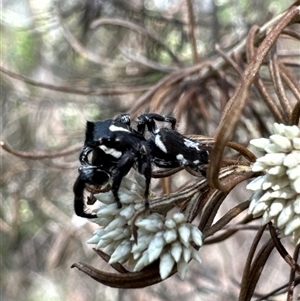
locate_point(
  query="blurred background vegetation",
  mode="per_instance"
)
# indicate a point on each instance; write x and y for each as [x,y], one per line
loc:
[65,62]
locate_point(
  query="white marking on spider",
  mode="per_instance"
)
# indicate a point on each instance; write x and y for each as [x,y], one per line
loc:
[160,144]
[190,143]
[196,161]
[115,128]
[181,159]
[111,151]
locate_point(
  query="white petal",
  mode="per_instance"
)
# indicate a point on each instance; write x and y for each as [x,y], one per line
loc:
[178,217]
[292,225]
[182,268]
[111,209]
[272,159]
[143,243]
[294,172]
[277,170]
[125,234]
[281,182]
[184,234]
[106,197]
[277,206]
[279,128]
[196,256]
[296,143]
[123,250]
[256,183]
[254,200]
[269,181]
[260,143]
[176,250]
[292,159]
[127,212]
[170,235]
[196,236]
[272,148]
[285,193]
[165,265]
[283,143]
[156,246]
[286,215]
[296,185]
[150,224]
[112,234]
[291,131]
[259,166]
[266,217]
[296,204]
[118,222]
[261,207]
[142,262]
[170,223]
[93,240]
[187,254]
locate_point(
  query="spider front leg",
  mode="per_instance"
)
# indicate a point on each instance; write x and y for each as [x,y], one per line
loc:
[148,119]
[123,167]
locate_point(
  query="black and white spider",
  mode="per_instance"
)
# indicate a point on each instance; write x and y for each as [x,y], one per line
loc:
[116,147]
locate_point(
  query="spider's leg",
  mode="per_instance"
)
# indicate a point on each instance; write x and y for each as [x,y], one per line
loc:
[145,168]
[123,167]
[148,119]
[78,190]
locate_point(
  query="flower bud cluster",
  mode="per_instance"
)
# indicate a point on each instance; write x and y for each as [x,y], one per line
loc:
[277,193]
[171,240]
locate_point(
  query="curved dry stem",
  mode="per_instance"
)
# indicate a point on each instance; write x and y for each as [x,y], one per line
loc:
[237,102]
[148,276]
[294,119]
[35,155]
[282,251]
[247,269]
[226,218]
[256,270]
[139,29]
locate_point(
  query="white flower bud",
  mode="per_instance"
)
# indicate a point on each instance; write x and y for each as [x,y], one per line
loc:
[176,250]
[272,159]
[260,143]
[165,265]
[184,234]
[283,143]
[292,225]
[292,159]
[123,250]
[156,246]
[142,262]
[178,217]
[182,268]
[170,235]
[187,253]
[285,215]
[196,236]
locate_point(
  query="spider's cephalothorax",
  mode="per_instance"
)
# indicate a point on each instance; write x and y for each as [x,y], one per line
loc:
[116,147]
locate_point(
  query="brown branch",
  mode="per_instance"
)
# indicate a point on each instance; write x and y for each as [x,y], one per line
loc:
[191,18]
[35,155]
